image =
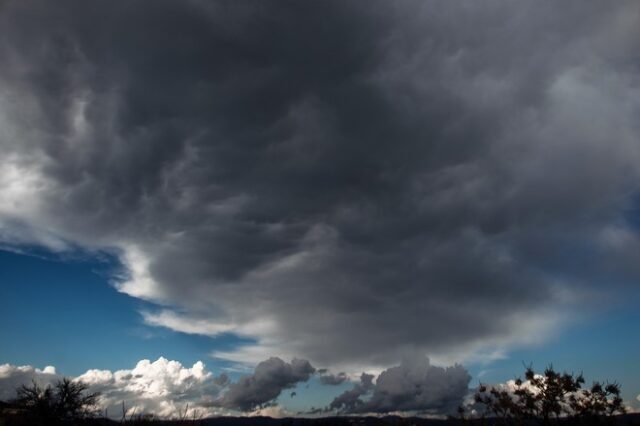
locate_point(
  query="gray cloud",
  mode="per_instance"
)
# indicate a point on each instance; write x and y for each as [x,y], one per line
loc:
[402,176]
[266,383]
[332,379]
[415,385]
[350,400]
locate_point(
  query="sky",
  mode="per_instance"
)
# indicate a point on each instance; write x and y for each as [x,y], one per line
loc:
[309,208]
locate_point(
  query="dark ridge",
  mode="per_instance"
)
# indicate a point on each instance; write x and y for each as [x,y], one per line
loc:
[10,416]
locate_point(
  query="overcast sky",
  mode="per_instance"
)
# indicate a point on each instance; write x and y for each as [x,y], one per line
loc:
[415,190]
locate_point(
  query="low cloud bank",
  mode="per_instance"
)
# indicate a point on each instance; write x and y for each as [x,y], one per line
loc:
[12,376]
[269,379]
[414,385]
[162,387]
[165,388]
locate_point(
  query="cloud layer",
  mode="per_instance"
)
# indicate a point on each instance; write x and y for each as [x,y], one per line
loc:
[413,386]
[398,176]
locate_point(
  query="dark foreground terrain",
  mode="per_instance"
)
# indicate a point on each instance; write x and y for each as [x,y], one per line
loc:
[18,420]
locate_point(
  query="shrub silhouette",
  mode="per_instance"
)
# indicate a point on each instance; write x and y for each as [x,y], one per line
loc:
[65,402]
[549,397]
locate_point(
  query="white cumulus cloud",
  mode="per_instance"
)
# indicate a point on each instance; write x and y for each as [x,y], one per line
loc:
[12,377]
[161,387]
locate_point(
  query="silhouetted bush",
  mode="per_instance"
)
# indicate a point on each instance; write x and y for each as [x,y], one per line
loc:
[64,403]
[549,398]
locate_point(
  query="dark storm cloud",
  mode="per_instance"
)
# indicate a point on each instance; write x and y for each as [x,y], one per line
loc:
[414,385]
[351,400]
[266,383]
[343,182]
[332,379]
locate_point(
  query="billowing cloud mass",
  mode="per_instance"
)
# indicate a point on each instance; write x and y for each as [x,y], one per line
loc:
[413,386]
[12,377]
[343,181]
[266,383]
[167,389]
[163,388]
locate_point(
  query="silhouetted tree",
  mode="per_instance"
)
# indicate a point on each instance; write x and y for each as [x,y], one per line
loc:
[36,400]
[66,401]
[72,402]
[549,397]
